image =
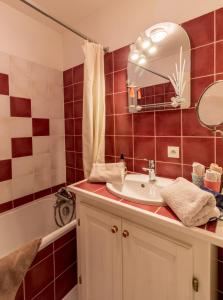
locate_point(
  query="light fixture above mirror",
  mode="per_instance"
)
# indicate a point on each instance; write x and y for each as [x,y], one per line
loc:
[160,56]
[157,34]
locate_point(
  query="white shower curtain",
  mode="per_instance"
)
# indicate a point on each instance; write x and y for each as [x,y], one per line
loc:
[93,125]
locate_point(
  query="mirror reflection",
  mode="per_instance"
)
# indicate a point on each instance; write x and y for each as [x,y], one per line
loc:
[159,65]
[210,106]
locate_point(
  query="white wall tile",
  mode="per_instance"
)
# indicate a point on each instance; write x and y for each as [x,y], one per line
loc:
[5,127]
[21,127]
[42,162]
[5,147]
[40,108]
[57,127]
[58,159]
[57,144]
[56,77]
[22,186]
[58,176]
[6,191]
[22,166]
[42,180]
[40,74]
[4,63]
[56,92]
[41,144]
[20,77]
[56,109]
[4,106]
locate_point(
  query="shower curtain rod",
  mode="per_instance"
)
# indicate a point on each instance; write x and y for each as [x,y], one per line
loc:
[81,35]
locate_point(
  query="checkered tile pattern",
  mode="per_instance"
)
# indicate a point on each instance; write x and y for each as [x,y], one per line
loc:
[32,150]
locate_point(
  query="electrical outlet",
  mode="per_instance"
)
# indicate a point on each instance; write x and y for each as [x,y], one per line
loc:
[173,152]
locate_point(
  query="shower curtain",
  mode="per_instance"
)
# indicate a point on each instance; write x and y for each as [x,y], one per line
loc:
[93,125]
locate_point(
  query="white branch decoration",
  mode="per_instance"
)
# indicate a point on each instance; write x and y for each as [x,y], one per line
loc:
[178,81]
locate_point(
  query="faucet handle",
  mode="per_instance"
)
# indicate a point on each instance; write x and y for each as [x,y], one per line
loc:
[151,163]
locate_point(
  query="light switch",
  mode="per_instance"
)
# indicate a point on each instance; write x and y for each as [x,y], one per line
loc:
[173,152]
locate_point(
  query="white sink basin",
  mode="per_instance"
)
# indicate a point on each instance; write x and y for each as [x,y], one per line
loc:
[137,188]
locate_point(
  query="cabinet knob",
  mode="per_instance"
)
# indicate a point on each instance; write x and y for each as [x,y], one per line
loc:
[125,233]
[114,229]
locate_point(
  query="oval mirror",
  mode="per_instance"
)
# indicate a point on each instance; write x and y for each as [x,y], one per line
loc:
[210,106]
[159,59]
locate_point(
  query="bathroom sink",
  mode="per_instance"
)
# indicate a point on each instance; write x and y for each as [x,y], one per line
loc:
[137,188]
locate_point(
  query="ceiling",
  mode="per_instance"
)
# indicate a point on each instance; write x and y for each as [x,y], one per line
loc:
[70,12]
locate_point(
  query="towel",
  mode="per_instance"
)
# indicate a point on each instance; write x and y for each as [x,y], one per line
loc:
[193,206]
[198,169]
[13,268]
[111,172]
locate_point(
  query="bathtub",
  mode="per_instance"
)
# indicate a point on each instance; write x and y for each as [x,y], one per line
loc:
[57,249]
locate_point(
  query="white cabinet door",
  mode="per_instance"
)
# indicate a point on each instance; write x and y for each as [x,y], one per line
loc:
[155,268]
[101,255]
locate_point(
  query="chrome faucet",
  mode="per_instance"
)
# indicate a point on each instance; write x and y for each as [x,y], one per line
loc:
[150,169]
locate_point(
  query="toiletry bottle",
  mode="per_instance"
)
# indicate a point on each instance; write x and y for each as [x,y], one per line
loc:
[122,160]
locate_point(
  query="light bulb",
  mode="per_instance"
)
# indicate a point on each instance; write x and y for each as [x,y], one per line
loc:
[158,34]
[145,43]
[142,60]
[152,50]
[134,55]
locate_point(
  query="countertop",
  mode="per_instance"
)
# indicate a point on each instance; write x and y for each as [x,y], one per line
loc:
[212,231]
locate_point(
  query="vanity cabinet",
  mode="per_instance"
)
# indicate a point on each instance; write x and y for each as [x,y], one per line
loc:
[120,260]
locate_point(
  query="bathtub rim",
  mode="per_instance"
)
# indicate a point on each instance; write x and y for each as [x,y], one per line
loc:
[56,234]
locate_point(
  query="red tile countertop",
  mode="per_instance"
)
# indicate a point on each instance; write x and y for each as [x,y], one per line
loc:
[165,211]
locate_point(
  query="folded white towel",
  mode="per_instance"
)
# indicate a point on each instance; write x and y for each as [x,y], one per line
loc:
[193,206]
[110,172]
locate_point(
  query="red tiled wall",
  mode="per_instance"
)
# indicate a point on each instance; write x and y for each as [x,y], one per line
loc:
[148,134]
[54,271]
[73,104]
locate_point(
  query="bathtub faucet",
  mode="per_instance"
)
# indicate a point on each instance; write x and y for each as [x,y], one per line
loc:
[150,169]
